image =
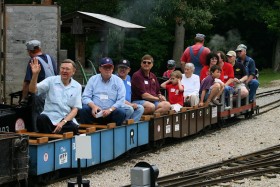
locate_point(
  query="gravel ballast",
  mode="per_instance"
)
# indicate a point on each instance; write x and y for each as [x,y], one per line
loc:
[245,137]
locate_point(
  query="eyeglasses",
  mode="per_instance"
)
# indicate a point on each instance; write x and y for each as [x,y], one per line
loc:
[146,62]
[213,58]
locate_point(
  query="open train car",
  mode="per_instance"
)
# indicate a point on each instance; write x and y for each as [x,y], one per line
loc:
[52,152]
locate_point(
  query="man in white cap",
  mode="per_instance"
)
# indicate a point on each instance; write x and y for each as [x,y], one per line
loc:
[48,68]
[250,67]
[240,75]
[195,54]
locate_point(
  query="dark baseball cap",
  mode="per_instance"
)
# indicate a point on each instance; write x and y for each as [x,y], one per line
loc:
[106,61]
[171,63]
[124,63]
[32,44]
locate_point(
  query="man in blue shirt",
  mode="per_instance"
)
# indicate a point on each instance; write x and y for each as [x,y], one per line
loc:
[250,67]
[63,98]
[103,97]
[133,111]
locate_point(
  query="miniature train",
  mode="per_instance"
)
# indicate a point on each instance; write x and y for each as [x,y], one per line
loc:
[52,152]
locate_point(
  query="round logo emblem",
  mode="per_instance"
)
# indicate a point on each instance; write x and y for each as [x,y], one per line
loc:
[19,124]
[46,157]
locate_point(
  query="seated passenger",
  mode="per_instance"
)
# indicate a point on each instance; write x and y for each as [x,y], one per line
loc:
[191,84]
[63,98]
[211,88]
[240,75]
[133,110]
[228,77]
[171,65]
[250,67]
[175,89]
[103,97]
[146,89]
[211,60]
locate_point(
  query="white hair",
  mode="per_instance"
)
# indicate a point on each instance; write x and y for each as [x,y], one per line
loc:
[189,65]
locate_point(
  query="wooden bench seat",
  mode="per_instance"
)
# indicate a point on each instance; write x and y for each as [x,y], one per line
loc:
[98,126]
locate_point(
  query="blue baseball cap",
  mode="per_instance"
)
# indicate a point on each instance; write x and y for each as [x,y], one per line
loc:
[106,61]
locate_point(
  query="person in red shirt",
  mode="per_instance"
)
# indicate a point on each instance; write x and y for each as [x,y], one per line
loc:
[174,88]
[196,54]
[228,72]
[211,60]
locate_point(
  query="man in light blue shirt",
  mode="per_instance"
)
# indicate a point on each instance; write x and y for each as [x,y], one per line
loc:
[133,111]
[103,97]
[63,98]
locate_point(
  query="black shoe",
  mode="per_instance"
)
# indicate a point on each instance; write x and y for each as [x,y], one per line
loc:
[216,102]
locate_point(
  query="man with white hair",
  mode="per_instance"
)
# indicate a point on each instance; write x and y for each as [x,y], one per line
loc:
[250,67]
[191,84]
[240,75]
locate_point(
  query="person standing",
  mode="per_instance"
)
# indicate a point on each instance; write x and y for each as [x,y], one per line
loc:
[146,89]
[133,111]
[240,75]
[48,68]
[191,84]
[103,97]
[250,67]
[63,98]
[196,54]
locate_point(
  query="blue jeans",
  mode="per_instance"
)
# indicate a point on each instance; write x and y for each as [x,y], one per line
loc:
[228,90]
[117,116]
[133,114]
[253,86]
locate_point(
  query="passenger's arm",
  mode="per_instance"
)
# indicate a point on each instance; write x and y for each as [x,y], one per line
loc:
[69,117]
[36,68]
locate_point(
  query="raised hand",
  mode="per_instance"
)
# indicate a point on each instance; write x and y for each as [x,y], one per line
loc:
[35,66]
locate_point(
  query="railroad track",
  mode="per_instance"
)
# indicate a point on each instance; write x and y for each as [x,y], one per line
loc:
[262,162]
[270,105]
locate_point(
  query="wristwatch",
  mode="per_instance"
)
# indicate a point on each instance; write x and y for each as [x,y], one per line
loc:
[65,121]
[111,110]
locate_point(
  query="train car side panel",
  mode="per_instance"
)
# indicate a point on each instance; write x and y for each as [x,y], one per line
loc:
[63,154]
[176,125]
[143,133]
[41,158]
[95,149]
[131,136]
[119,141]
[107,145]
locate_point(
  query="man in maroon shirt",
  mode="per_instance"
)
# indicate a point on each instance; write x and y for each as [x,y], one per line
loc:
[196,54]
[146,89]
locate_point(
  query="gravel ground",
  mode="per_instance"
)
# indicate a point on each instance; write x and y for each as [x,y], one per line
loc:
[246,137]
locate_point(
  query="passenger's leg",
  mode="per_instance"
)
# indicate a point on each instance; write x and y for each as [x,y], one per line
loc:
[85,115]
[128,111]
[163,106]
[70,126]
[244,91]
[253,86]
[138,112]
[118,116]
[149,108]
[44,124]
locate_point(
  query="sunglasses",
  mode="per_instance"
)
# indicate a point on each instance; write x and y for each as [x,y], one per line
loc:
[146,62]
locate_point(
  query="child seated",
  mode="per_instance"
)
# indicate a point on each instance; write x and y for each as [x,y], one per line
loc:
[211,88]
[175,90]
